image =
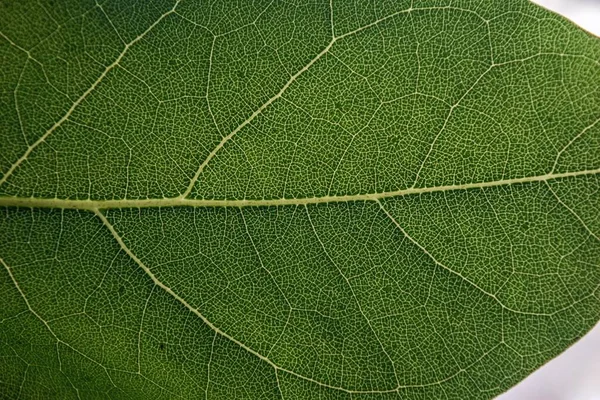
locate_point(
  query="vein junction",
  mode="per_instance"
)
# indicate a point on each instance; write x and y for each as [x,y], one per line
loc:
[92,205]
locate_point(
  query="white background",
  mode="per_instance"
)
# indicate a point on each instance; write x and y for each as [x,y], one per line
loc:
[575,374]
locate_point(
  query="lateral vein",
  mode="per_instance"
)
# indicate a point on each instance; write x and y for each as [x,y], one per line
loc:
[252,116]
[195,311]
[85,94]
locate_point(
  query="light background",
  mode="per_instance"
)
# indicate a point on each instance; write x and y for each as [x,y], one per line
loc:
[575,374]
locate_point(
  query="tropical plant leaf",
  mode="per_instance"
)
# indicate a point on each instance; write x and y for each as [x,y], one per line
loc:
[327,199]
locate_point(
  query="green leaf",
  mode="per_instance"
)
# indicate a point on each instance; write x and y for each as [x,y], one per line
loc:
[296,200]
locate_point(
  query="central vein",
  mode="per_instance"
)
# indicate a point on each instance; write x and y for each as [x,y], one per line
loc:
[92,205]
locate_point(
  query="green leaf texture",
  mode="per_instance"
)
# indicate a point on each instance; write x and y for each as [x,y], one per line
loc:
[346,199]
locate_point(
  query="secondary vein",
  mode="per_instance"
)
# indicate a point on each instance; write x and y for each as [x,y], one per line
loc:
[85,94]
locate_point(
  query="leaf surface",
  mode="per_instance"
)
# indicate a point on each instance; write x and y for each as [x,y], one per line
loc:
[294,200]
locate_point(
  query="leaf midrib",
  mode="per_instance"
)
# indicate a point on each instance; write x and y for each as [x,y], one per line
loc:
[92,205]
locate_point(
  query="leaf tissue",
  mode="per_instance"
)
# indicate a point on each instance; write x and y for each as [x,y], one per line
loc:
[325,199]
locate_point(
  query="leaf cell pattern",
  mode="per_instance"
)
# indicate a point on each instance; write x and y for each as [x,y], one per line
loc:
[295,200]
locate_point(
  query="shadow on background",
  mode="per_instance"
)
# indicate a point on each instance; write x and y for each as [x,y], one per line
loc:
[585,13]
